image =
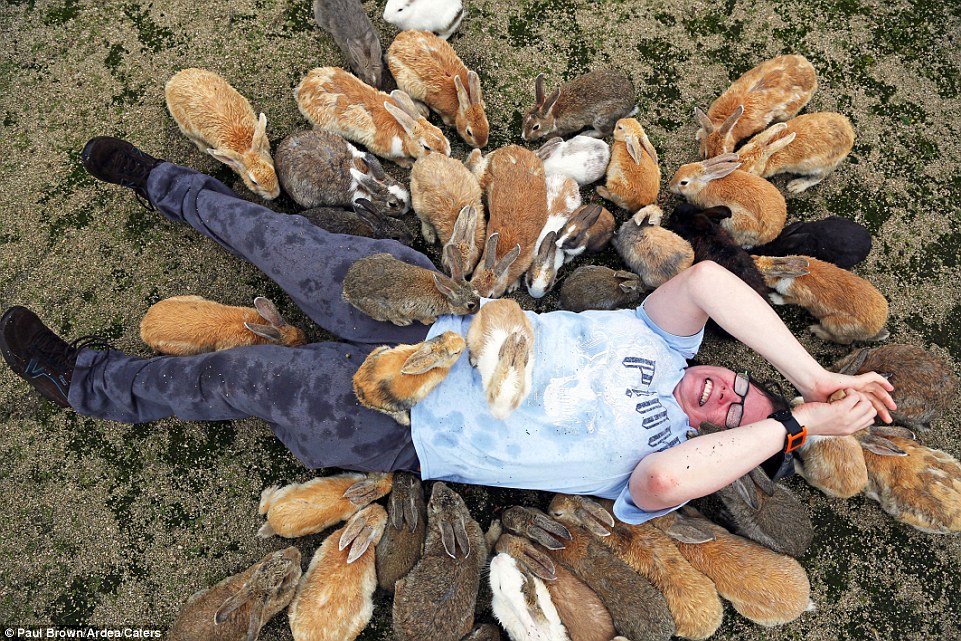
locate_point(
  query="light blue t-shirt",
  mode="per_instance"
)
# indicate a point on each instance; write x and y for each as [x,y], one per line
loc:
[601,400]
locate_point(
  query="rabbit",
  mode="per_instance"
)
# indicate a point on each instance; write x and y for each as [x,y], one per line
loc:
[394,379]
[334,601]
[638,610]
[812,145]
[833,239]
[403,540]
[766,587]
[221,122]
[596,99]
[848,307]
[924,385]
[439,16]
[597,287]
[633,176]
[758,210]
[652,252]
[390,126]
[500,341]
[300,509]
[921,489]
[563,199]
[582,158]
[428,69]
[388,289]
[185,325]
[832,464]
[589,230]
[354,34]
[484,632]
[448,201]
[436,599]
[522,604]
[237,608]
[321,168]
[364,221]
[775,90]
[580,610]
[516,193]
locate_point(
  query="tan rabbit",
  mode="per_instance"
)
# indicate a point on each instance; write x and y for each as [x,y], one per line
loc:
[758,210]
[448,201]
[775,90]
[848,307]
[652,252]
[501,345]
[236,608]
[388,289]
[184,325]
[403,540]
[633,176]
[334,601]
[390,126]
[300,509]
[222,123]
[428,69]
[810,144]
[516,192]
[394,379]
[589,230]
[763,586]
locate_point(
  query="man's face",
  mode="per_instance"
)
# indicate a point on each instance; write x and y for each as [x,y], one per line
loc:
[706,393]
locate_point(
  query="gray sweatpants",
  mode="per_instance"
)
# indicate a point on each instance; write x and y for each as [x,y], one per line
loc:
[304,393]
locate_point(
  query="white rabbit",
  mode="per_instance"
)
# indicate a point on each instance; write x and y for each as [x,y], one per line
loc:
[501,344]
[583,158]
[440,16]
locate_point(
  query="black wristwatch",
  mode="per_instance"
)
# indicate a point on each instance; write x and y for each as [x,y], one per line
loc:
[796,433]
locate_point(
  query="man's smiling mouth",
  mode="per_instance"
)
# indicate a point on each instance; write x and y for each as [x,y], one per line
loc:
[706,394]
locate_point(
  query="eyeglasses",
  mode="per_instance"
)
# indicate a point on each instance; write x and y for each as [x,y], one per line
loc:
[742,383]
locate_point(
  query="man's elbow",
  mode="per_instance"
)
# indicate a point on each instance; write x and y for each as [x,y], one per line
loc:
[656,489]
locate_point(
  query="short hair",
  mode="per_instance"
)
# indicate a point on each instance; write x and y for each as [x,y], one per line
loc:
[767,387]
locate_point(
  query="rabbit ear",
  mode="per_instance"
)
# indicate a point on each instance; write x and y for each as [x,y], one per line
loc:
[762,481]
[454,536]
[717,214]
[444,285]
[242,597]
[268,311]
[785,266]
[857,360]
[473,83]
[880,446]
[229,157]
[648,147]
[703,120]
[731,120]
[549,147]
[745,489]
[425,358]
[404,101]
[454,262]
[402,117]
[490,251]
[537,563]
[463,98]
[547,250]
[260,141]
[366,212]
[718,170]
[374,168]
[551,99]
[887,431]
[265,331]
[505,263]
[633,145]
[539,90]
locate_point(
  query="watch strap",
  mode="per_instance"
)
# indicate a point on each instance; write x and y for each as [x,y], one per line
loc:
[796,433]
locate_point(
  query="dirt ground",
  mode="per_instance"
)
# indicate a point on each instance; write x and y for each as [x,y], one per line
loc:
[112,525]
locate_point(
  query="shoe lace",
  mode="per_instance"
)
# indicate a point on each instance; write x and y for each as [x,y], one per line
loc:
[63,356]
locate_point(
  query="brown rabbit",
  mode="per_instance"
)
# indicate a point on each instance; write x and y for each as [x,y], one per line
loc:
[388,289]
[394,379]
[596,99]
[776,89]
[597,287]
[811,144]
[221,122]
[334,601]
[390,126]
[184,325]
[516,193]
[633,176]
[403,540]
[428,69]
[766,587]
[848,307]
[300,509]
[589,230]
[832,464]
[436,599]
[924,385]
[236,608]
[758,210]
[652,252]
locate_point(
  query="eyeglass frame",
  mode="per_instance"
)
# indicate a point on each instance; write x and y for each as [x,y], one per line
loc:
[744,377]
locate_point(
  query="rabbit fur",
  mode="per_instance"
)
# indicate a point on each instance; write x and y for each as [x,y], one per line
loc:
[833,239]
[848,307]
[633,175]
[403,540]
[429,70]
[394,379]
[832,464]
[521,602]
[354,34]
[758,210]
[596,99]
[334,601]
[598,287]
[221,122]
[300,509]
[236,608]
[436,599]
[652,252]
[589,230]
[388,289]
[364,220]
[563,199]
[185,325]
[775,90]
[500,341]
[390,126]
[582,158]
[440,16]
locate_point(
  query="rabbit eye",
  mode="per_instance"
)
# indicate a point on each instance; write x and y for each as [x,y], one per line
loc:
[393,204]
[536,127]
[253,180]
[683,182]
[471,305]
[469,132]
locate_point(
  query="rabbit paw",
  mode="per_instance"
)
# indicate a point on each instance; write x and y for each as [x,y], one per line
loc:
[777,299]
[798,185]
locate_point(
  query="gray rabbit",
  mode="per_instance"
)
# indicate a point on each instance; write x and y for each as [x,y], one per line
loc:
[597,99]
[403,540]
[364,220]
[352,31]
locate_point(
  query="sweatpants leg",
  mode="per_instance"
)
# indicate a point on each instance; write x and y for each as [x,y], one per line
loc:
[304,393]
[308,262]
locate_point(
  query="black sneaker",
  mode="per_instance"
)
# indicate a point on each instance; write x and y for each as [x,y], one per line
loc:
[39,356]
[117,161]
